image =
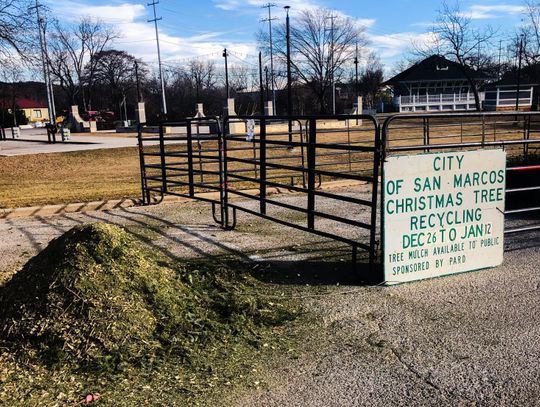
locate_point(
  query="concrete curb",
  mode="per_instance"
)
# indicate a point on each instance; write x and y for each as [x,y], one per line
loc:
[107,205]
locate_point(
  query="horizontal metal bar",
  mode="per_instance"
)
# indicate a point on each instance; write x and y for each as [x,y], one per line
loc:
[181,183]
[304,210]
[524,168]
[301,189]
[465,144]
[522,210]
[303,228]
[509,191]
[522,229]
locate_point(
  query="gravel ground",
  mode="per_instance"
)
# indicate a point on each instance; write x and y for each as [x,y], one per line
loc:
[470,339]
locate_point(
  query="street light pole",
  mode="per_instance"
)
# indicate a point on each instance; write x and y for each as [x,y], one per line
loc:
[225,55]
[356,71]
[261,86]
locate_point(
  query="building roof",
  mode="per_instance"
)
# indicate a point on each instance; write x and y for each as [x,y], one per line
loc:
[434,68]
[510,79]
[23,103]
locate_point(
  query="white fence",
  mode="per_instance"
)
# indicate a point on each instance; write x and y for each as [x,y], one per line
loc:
[440,102]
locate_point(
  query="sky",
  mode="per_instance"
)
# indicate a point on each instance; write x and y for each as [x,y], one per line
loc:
[202,28]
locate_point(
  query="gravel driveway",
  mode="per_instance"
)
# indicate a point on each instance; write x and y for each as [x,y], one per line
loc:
[470,339]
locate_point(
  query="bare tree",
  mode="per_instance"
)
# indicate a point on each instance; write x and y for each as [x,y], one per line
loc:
[10,74]
[202,75]
[371,79]
[320,49]
[530,32]
[115,71]
[73,51]
[239,78]
[15,22]
[457,39]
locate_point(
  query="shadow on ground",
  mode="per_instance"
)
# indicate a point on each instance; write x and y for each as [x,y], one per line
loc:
[326,263]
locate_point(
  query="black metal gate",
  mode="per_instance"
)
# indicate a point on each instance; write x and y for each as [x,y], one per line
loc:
[183,159]
[234,164]
[242,159]
[517,133]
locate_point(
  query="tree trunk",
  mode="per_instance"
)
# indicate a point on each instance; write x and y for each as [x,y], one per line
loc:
[473,87]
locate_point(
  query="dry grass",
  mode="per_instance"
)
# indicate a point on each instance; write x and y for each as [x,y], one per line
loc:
[114,173]
[83,176]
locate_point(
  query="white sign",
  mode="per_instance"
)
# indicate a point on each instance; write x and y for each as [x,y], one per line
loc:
[443,214]
[250,127]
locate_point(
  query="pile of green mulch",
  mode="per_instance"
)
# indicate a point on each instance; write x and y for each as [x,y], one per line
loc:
[96,298]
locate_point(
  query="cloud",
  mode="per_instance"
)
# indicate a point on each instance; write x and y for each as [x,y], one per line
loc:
[255,5]
[481,12]
[137,36]
[121,13]
[392,45]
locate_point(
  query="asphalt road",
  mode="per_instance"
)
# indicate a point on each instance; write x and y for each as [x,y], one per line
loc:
[466,340]
[34,141]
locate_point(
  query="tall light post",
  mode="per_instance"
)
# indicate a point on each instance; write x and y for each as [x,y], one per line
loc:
[261,86]
[155,20]
[356,71]
[225,55]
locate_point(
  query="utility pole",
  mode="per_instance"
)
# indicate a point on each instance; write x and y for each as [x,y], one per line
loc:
[45,64]
[519,72]
[261,86]
[289,78]
[332,18]
[225,55]
[267,85]
[272,80]
[137,81]
[155,20]
[356,71]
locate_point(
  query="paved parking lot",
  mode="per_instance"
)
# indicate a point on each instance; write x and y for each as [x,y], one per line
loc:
[34,141]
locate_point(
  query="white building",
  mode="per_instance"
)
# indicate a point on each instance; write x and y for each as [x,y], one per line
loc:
[435,84]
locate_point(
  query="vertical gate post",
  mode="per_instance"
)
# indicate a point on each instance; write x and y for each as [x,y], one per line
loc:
[220,169]
[383,153]
[377,160]
[190,158]
[162,157]
[526,135]
[262,158]
[425,128]
[311,151]
[223,188]
[144,190]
